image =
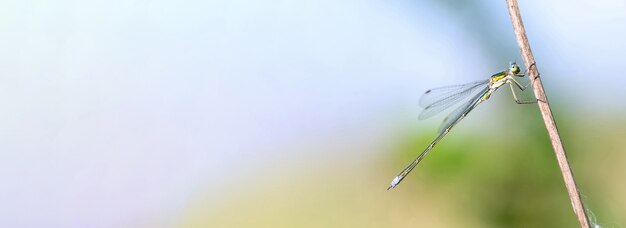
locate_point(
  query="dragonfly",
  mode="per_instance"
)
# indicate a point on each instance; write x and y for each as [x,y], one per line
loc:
[436,100]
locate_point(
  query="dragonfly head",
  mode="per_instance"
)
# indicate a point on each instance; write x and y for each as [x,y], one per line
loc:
[514,68]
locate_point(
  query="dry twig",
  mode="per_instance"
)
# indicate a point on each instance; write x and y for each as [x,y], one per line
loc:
[546,113]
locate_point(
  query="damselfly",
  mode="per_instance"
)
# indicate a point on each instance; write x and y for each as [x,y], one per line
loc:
[436,100]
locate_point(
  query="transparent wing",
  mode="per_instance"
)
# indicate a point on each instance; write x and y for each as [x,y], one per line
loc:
[462,110]
[436,100]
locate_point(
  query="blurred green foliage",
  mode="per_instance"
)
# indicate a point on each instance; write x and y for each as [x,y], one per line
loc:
[476,177]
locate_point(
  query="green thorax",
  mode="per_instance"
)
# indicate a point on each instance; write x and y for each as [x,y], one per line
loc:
[498,76]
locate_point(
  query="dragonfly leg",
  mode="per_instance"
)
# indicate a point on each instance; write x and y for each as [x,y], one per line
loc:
[527,69]
[519,85]
[517,100]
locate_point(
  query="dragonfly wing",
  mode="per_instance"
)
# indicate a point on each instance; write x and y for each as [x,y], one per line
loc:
[436,100]
[462,110]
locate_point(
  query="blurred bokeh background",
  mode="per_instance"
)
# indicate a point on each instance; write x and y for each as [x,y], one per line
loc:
[299,113]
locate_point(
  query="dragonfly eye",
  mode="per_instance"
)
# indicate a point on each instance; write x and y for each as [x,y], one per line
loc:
[514,68]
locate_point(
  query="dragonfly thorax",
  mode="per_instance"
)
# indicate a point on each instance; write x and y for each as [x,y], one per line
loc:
[498,79]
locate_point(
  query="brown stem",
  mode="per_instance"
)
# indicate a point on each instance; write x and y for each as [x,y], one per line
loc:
[546,113]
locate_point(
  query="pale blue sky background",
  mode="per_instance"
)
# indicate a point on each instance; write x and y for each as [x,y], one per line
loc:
[119,113]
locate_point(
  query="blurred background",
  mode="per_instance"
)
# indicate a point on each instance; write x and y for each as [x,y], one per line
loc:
[299,114]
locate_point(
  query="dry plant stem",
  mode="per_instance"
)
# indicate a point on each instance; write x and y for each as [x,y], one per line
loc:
[546,113]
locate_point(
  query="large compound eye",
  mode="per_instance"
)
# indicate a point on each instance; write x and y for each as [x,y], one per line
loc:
[513,67]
